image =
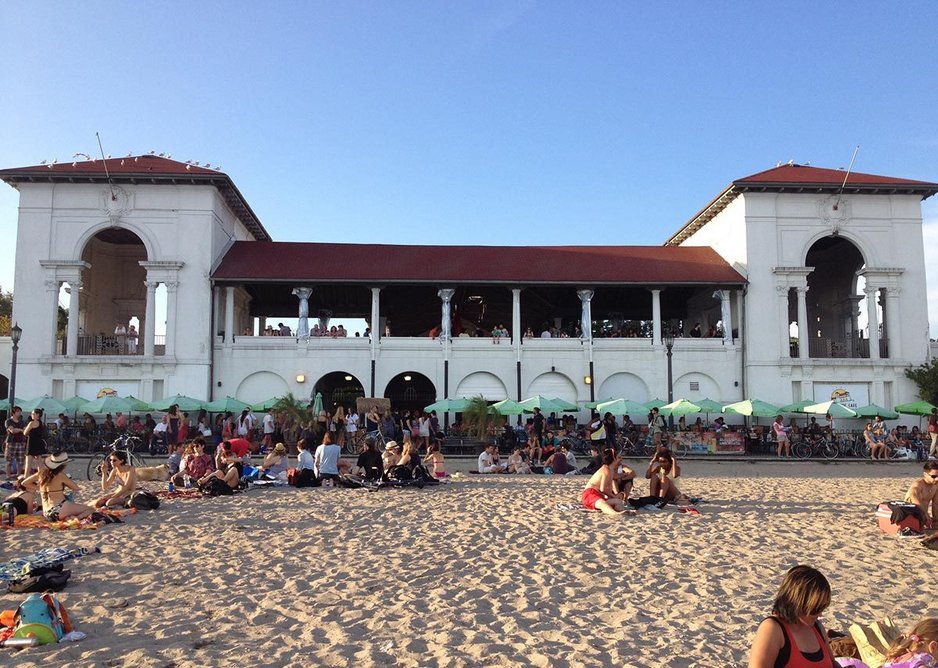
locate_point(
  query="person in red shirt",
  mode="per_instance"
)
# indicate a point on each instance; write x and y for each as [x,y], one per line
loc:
[239,446]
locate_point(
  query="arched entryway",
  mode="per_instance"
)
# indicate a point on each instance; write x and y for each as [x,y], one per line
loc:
[339,388]
[113,294]
[410,391]
[834,301]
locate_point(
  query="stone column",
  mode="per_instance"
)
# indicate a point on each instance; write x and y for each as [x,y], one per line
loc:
[52,298]
[446,319]
[375,320]
[516,332]
[804,333]
[873,320]
[785,330]
[656,317]
[74,290]
[216,296]
[586,315]
[739,313]
[149,323]
[229,314]
[170,346]
[726,314]
[302,323]
[893,333]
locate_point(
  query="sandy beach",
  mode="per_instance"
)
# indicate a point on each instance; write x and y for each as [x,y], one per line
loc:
[485,571]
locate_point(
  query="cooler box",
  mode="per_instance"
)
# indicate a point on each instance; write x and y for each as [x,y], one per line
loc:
[884,517]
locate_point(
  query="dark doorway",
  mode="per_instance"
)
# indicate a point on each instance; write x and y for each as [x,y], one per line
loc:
[339,388]
[410,391]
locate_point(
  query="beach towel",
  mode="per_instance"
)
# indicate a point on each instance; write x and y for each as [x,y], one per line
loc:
[89,523]
[570,507]
[50,556]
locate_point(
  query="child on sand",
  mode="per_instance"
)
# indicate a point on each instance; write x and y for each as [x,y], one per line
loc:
[917,649]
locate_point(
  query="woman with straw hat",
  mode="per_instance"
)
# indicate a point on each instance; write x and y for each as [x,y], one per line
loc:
[51,482]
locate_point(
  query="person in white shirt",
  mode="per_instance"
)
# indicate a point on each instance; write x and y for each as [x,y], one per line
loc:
[268,427]
[351,424]
[327,459]
[488,462]
[305,465]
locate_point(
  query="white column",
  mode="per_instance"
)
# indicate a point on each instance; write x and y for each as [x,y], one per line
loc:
[52,299]
[149,322]
[375,320]
[784,324]
[726,314]
[586,314]
[656,317]
[804,328]
[739,313]
[302,323]
[170,346]
[74,290]
[873,320]
[446,320]
[216,296]
[229,314]
[893,333]
[516,332]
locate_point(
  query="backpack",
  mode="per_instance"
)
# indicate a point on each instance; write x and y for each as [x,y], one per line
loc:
[400,473]
[43,617]
[40,579]
[143,500]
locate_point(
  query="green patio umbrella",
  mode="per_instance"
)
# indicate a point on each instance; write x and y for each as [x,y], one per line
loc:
[654,403]
[317,404]
[567,406]
[75,403]
[709,405]
[797,407]
[225,405]
[593,404]
[680,407]
[446,406]
[48,405]
[546,405]
[138,406]
[107,404]
[836,409]
[752,408]
[622,407]
[873,410]
[5,404]
[509,407]
[265,405]
[915,408]
[185,403]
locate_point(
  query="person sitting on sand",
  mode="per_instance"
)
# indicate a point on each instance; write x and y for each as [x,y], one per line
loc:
[195,463]
[916,649]
[305,465]
[21,502]
[392,453]
[228,467]
[370,465]
[924,494]
[663,472]
[51,482]
[601,492]
[535,452]
[558,462]
[121,474]
[435,460]
[793,636]
[327,459]
[488,461]
[275,463]
[409,457]
[875,436]
[516,462]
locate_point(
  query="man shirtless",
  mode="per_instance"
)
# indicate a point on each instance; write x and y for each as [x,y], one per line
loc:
[924,494]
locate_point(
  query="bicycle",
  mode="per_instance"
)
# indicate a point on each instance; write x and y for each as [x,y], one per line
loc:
[123,442]
[355,445]
[813,447]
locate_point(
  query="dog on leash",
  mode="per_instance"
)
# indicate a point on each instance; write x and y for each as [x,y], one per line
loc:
[153,473]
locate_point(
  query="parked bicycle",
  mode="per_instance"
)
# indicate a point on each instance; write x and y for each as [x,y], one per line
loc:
[123,442]
[815,446]
[355,445]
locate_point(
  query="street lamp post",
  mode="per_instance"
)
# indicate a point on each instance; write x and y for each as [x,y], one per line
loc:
[668,340]
[16,332]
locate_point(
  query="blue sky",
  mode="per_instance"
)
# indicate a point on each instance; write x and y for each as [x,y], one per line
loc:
[474,122]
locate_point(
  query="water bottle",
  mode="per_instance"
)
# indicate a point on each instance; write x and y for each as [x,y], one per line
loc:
[187,481]
[171,487]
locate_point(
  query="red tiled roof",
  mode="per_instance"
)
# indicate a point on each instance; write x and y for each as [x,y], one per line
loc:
[141,169]
[257,261]
[803,174]
[802,179]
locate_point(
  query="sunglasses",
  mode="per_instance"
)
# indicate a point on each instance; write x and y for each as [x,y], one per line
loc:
[933,476]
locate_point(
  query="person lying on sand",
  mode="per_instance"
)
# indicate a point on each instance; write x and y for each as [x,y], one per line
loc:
[601,492]
[21,502]
[121,474]
[924,494]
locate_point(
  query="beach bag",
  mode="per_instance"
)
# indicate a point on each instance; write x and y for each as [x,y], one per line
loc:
[143,500]
[400,473]
[41,616]
[893,516]
[40,579]
[873,640]
[291,477]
